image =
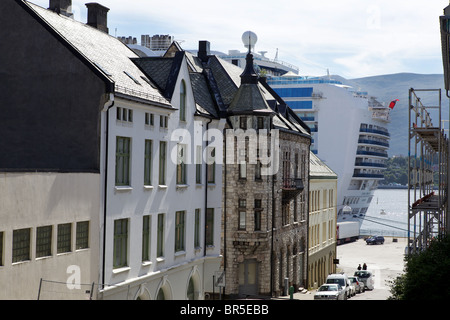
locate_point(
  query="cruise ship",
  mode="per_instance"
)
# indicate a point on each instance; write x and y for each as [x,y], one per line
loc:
[349,130]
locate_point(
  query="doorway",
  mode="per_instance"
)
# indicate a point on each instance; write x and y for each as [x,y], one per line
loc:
[248,277]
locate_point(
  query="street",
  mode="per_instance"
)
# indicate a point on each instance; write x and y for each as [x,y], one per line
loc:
[384,260]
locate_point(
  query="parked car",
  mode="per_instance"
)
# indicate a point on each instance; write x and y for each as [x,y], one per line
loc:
[359,285]
[342,280]
[352,288]
[375,240]
[330,291]
[366,277]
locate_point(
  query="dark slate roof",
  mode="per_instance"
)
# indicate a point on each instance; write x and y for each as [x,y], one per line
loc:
[104,52]
[227,83]
[204,102]
[157,68]
[248,99]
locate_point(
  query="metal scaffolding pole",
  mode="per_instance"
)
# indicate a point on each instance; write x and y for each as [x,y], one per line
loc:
[427,171]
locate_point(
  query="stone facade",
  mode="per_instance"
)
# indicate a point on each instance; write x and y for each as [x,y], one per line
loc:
[265,223]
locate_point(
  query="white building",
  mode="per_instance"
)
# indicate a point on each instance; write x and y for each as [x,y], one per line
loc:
[91,203]
[159,217]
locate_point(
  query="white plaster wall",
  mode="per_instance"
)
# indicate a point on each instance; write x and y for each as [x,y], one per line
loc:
[31,200]
[136,200]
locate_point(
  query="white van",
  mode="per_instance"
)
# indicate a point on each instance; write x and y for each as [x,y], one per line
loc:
[341,279]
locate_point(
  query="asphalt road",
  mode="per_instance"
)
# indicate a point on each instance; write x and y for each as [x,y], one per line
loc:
[384,260]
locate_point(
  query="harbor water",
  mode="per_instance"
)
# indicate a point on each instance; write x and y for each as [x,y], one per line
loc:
[387,214]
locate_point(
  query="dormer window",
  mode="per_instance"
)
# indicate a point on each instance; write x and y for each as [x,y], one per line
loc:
[260,123]
[243,123]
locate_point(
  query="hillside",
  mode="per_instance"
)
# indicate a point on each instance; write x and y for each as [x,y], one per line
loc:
[396,86]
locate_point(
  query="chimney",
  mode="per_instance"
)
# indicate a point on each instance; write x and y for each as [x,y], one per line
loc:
[97,16]
[63,7]
[203,50]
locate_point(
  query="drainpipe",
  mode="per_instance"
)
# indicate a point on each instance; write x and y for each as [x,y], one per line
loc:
[206,186]
[108,105]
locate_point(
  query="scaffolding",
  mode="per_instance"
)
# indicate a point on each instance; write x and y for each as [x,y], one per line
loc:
[427,171]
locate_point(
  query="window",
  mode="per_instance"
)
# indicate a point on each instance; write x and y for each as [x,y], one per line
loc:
[198,165]
[180,230]
[21,245]
[120,243]
[211,167]
[258,167]
[123,155]
[43,241]
[183,101]
[191,290]
[285,213]
[243,123]
[242,210]
[64,238]
[162,162]
[149,119]
[82,240]
[209,226]
[146,238]
[181,164]
[132,78]
[163,121]
[242,161]
[148,162]
[160,236]
[258,213]
[197,229]
[124,115]
[260,122]
[243,170]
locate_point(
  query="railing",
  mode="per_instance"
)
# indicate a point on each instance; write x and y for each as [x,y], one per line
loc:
[141,94]
[372,153]
[370,141]
[375,131]
[370,164]
[293,184]
[368,175]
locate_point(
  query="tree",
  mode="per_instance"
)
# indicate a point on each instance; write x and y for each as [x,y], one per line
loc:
[426,274]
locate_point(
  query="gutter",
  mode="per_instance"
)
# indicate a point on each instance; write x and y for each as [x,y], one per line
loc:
[108,105]
[206,187]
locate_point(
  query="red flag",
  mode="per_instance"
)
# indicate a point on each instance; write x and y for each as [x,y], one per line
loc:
[392,104]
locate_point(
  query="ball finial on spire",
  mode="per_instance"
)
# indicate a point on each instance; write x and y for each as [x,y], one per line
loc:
[249,39]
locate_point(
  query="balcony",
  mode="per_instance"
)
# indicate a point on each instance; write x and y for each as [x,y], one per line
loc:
[370,164]
[372,153]
[291,187]
[373,142]
[375,131]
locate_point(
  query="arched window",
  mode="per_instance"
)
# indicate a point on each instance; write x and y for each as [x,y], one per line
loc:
[161,295]
[191,290]
[183,101]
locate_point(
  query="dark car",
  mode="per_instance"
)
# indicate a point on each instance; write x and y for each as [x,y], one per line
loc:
[375,240]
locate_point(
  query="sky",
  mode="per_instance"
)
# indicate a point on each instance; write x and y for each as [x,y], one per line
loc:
[350,38]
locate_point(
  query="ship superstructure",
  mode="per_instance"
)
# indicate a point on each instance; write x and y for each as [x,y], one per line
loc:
[350,135]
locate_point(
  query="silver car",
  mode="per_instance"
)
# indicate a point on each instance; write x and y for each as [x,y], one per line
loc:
[358,284]
[330,291]
[366,277]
